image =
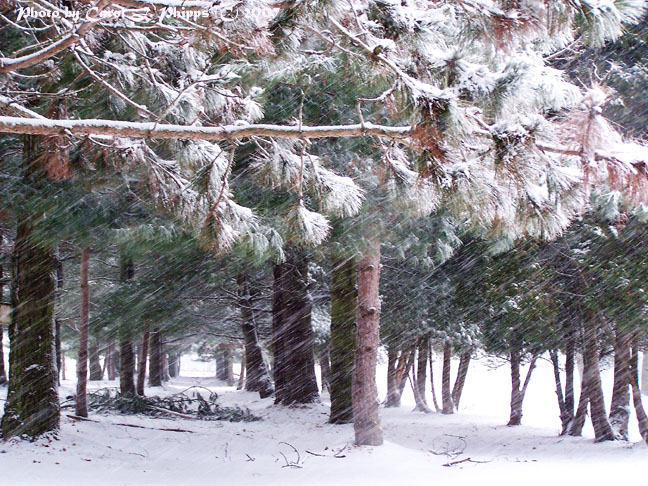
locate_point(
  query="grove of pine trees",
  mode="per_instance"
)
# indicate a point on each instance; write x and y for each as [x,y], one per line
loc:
[292,183]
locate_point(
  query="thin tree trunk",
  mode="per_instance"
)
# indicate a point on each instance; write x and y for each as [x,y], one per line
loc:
[421,375]
[516,395]
[446,395]
[165,362]
[63,365]
[565,416]
[3,372]
[325,368]
[344,300]
[174,365]
[141,365]
[258,378]
[366,420]
[82,358]
[241,381]
[292,332]
[126,355]
[576,425]
[620,406]
[432,387]
[96,373]
[462,372]
[569,374]
[229,363]
[221,363]
[392,394]
[642,419]
[155,358]
[58,352]
[644,372]
[602,429]
[404,371]
[110,362]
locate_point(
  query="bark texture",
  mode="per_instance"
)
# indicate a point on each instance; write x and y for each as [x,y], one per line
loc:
[642,419]
[592,376]
[82,357]
[258,377]
[292,332]
[446,394]
[96,373]
[126,354]
[32,406]
[518,392]
[155,358]
[344,300]
[366,420]
[620,406]
[141,364]
[462,372]
[3,372]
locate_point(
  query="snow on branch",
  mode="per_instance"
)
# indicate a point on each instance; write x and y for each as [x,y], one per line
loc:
[153,130]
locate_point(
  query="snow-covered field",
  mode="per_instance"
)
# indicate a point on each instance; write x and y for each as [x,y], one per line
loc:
[297,446]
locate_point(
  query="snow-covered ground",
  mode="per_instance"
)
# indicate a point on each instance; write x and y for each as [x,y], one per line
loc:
[297,446]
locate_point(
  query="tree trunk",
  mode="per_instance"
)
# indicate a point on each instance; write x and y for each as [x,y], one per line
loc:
[82,358]
[325,369]
[32,406]
[432,387]
[174,364]
[222,363]
[155,358]
[58,352]
[516,395]
[421,375]
[392,390]
[366,420]
[258,378]
[576,425]
[96,373]
[110,362]
[446,395]
[565,416]
[165,362]
[462,372]
[569,374]
[644,372]
[241,381]
[344,300]
[642,419]
[141,365]
[3,372]
[292,332]
[620,407]
[591,375]
[126,355]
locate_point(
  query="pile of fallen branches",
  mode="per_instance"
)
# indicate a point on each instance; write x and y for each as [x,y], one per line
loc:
[188,404]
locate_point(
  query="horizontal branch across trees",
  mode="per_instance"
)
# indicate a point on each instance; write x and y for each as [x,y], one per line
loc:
[152,130]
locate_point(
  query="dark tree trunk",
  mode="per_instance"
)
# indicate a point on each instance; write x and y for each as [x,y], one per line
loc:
[3,372]
[576,425]
[462,372]
[58,352]
[258,378]
[591,375]
[96,373]
[82,358]
[565,416]
[344,300]
[432,387]
[292,332]
[165,362]
[110,362]
[141,364]
[222,362]
[421,375]
[155,358]
[446,395]
[366,419]
[569,374]
[516,395]
[642,419]
[126,355]
[620,407]
[32,406]
[392,390]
